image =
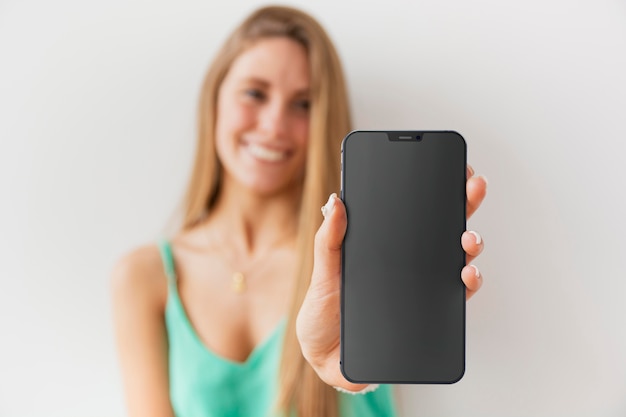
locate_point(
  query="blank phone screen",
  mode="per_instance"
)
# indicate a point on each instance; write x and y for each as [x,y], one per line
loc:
[403,301]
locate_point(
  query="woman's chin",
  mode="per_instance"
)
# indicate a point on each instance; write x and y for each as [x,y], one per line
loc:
[267,187]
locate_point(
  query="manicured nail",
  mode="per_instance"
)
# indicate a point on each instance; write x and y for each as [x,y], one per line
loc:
[476,236]
[328,207]
[484,179]
[476,271]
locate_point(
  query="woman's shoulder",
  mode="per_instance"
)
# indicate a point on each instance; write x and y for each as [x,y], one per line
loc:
[139,275]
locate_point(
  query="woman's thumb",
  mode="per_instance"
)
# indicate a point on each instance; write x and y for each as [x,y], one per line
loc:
[328,240]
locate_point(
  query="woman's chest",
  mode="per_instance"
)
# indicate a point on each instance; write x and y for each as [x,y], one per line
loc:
[233,312]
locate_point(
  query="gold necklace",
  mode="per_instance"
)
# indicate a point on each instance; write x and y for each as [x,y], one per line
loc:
[238,283]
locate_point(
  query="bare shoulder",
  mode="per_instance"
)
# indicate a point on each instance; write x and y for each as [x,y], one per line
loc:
[139,276]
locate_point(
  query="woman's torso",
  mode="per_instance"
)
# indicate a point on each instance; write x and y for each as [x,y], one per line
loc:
[224,348]
[231,323]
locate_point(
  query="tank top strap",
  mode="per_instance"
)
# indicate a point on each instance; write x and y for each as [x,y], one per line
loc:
[165,248]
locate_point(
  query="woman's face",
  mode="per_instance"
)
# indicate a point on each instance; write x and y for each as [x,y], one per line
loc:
[263,116]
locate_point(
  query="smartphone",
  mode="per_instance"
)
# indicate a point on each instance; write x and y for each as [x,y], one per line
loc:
[402,298]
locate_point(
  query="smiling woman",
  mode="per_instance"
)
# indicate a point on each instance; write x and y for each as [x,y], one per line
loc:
[206,319]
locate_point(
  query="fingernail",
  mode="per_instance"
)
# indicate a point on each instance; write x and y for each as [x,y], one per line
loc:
[476,271]
[484,179]
[328,207]
[479,239]
[470,171]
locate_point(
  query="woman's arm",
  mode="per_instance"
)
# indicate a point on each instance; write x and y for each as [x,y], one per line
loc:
[139,288]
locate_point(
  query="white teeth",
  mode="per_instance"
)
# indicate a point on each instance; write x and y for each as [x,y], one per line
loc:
[266,154]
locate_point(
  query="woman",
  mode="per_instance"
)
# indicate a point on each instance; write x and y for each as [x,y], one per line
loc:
[206,322]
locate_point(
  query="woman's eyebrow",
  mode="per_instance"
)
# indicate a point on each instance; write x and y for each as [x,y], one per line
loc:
[256,80]
[265,84]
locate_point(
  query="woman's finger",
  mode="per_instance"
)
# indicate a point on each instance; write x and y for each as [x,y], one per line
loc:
[475,189]
[470,171]
[473,280]
[328,241]
[473,244]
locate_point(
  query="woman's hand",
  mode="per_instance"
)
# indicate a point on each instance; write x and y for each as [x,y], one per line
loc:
[318,323]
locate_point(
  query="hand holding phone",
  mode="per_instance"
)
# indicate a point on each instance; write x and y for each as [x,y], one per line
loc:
[402,302]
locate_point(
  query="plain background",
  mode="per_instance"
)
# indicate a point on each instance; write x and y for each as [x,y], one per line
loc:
[97,113]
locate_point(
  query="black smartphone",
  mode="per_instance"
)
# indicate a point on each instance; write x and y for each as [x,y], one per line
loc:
[402,298]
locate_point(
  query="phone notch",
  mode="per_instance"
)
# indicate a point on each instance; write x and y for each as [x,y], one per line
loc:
[405,136]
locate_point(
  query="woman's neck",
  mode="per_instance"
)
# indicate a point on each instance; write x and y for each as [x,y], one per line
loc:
[253,223]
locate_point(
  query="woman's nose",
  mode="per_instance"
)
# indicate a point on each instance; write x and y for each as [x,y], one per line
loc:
[274,119]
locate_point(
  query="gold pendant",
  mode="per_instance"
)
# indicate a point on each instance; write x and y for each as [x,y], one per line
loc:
[238,283]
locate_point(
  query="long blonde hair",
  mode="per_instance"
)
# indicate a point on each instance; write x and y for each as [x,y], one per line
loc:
[301,390]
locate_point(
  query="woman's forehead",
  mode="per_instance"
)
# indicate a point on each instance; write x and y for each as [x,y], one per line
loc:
[276,61]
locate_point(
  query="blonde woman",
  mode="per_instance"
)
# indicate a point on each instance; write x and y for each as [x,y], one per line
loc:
[237,314]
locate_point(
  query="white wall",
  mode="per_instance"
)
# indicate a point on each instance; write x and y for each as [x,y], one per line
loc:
[97,107]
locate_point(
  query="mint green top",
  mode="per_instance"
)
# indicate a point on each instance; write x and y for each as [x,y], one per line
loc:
[204,384]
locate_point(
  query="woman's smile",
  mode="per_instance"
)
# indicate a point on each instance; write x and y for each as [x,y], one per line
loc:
[265,153]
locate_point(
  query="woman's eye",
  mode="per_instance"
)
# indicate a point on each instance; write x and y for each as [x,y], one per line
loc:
[254,93]
[302,104]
